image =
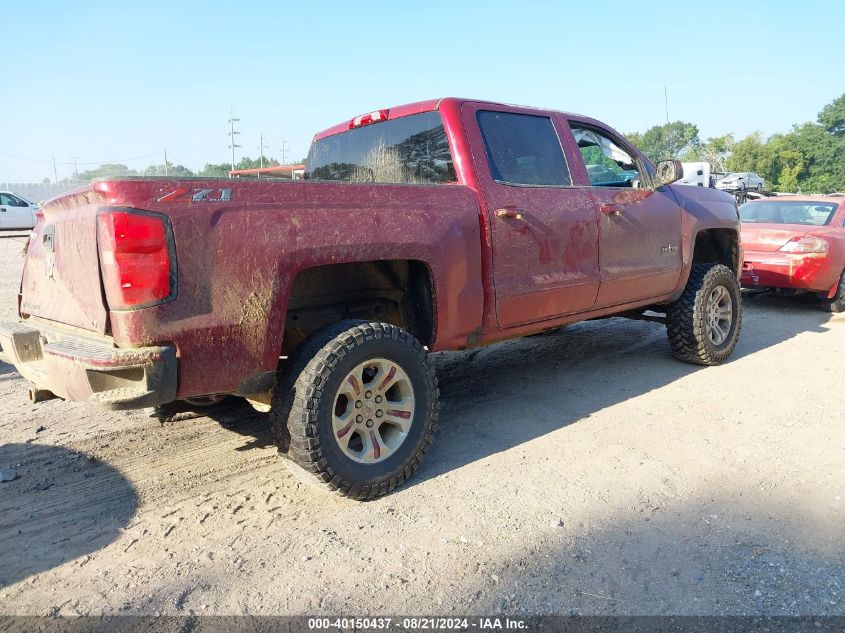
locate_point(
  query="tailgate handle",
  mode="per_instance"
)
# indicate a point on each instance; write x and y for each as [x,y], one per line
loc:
[47,238]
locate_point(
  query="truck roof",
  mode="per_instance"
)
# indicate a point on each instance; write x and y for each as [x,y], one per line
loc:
[428,105]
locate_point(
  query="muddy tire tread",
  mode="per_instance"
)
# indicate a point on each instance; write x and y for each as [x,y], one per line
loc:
[685,326]
[293,416]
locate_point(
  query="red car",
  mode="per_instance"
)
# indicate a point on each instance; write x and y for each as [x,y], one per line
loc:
[796,244]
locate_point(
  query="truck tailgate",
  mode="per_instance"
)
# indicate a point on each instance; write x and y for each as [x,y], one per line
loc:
[61,276]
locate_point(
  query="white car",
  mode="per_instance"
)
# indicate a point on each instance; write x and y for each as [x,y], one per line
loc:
[16,212]
[741,181]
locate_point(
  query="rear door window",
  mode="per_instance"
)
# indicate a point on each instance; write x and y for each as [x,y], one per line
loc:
[523,149]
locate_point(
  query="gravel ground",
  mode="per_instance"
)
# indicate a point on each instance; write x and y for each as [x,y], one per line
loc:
[583,471]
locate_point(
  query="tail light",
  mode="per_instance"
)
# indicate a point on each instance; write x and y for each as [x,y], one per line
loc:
[369,118]
[136,258]
[805,245]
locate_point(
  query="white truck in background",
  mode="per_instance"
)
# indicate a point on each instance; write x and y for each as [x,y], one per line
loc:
[697,175]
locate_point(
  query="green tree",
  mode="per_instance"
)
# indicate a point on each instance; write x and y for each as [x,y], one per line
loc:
[172,170]
[254,163]
[790,163]
[671,140]
[823,156]
[215,171]
[753,154]
[832,116]
[715,151]
[810,157]
[107,170]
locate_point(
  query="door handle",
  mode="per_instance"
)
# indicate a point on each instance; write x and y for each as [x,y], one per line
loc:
[509,213]
[611,209]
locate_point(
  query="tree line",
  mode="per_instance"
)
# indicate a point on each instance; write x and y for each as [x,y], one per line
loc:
[809,158]
[211,170]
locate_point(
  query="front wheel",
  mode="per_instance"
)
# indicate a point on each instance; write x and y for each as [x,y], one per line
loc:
[362,410]
[704,322]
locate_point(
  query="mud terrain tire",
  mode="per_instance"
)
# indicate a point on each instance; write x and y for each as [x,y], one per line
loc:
[688,319]
[309,414]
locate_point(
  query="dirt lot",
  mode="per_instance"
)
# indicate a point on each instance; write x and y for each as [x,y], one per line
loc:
[583,471]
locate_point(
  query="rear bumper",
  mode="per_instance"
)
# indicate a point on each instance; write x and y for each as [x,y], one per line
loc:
[811,272]
[88,370]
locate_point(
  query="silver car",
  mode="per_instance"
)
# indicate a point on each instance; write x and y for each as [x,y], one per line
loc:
[740,181]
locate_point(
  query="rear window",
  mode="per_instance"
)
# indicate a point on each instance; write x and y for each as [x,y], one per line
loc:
[523,149]
[785,212]
[411,149]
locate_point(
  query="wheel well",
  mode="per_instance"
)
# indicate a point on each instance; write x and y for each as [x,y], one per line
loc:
[717,245]
[393,291]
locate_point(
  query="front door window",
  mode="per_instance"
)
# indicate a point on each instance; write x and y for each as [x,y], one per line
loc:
[608,165]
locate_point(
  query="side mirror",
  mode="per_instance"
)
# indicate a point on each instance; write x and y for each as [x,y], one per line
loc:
[667,171]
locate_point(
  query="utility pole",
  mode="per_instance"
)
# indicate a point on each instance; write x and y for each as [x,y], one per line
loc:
[666,101]
[232,133]
[166,170]
[285,147]
[261,148]
[75,170]
[55,173]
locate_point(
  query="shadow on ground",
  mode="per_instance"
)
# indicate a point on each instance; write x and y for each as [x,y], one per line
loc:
[560,377]
[725,552]
[563,377]
[63,505]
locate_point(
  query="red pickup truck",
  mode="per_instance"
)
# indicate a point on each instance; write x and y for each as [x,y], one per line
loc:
[439,225]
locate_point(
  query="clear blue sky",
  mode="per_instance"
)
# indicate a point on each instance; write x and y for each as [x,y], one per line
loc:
[103,83]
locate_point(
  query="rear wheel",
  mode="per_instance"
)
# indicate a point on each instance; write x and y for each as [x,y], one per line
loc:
[703,324]
[837,303]
[361,412]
